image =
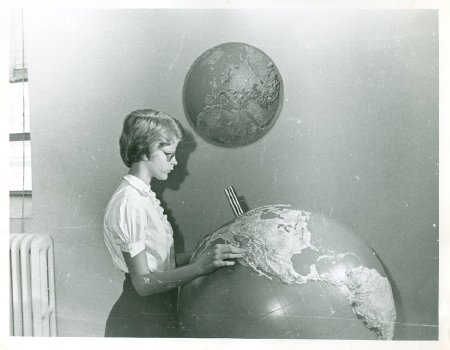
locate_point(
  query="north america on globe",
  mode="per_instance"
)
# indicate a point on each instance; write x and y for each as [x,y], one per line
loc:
[348,294]
[233,94]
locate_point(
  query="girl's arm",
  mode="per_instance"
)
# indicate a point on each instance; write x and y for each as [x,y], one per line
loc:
[149,283]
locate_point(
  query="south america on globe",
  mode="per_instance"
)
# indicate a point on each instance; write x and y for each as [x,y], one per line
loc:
[303,276]
[233,94]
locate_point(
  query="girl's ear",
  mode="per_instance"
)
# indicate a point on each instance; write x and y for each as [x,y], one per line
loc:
[144,158]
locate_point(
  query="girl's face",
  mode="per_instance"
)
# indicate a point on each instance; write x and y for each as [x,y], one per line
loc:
[162,161]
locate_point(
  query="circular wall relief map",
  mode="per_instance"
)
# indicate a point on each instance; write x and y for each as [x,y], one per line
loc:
[233,94]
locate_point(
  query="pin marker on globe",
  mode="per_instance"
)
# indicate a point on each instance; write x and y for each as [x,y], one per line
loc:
[233,200]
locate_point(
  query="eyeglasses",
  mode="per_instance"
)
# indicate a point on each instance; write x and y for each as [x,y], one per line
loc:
[169,155]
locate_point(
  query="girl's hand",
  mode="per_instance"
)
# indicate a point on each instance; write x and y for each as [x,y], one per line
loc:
[218,255]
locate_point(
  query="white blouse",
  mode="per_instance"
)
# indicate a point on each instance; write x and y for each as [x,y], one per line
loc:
[134,221]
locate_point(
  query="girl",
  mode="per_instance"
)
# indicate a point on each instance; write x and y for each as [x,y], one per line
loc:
[139,237]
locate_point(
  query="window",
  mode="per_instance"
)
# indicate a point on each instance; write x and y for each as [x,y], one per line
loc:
[20,184]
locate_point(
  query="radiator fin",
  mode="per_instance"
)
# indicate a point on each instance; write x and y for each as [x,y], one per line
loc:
[33,310]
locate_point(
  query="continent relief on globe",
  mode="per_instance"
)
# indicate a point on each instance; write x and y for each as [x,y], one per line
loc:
[279,243]
[232,94]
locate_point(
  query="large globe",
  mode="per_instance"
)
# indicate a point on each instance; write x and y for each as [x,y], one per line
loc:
[302,276]
[233,94]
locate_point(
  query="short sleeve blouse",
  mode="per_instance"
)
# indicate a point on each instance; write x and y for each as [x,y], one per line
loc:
[134,221]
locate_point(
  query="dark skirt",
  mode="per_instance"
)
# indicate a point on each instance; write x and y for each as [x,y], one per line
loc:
[141,317]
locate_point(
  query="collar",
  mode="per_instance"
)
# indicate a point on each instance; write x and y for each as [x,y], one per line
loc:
[138,184]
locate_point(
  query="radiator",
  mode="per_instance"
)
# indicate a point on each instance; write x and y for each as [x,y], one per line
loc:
[32,281]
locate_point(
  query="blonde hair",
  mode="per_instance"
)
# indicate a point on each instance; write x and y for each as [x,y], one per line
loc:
[144,132]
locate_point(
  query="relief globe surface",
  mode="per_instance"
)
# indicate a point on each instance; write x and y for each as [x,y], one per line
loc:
[303,276]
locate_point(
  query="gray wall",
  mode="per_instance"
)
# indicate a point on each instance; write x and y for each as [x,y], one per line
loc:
[357,137]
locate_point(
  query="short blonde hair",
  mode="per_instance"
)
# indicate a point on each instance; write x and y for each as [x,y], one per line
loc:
[144,132]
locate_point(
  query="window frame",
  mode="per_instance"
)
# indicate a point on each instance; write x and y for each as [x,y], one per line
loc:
[18,74]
